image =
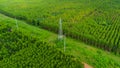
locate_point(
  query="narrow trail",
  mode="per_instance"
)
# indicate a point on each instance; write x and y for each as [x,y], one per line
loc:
[86,65]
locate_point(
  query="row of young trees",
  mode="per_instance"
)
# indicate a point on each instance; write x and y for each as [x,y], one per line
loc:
[105,36]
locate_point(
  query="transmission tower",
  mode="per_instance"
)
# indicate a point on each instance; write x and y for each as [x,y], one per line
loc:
[60,36]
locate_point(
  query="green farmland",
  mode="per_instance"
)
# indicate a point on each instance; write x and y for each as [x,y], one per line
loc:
[29,33]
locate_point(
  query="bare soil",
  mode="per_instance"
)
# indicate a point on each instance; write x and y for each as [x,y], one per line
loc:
[86,65]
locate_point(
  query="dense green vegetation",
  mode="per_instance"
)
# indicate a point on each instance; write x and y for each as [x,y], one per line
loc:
[84,53]
[90,22]
[20,50]
[40,55]
[94,22]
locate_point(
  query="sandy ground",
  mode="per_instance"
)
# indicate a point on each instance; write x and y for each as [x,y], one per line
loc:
[86,65]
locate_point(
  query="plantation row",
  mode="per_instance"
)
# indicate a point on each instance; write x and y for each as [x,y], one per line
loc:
[19,50]
[94,22]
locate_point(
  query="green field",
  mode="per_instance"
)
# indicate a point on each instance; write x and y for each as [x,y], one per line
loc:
[93,22]
[92,28]
[81,51]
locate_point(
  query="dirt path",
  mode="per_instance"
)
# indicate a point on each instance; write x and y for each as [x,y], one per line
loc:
[86,65]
